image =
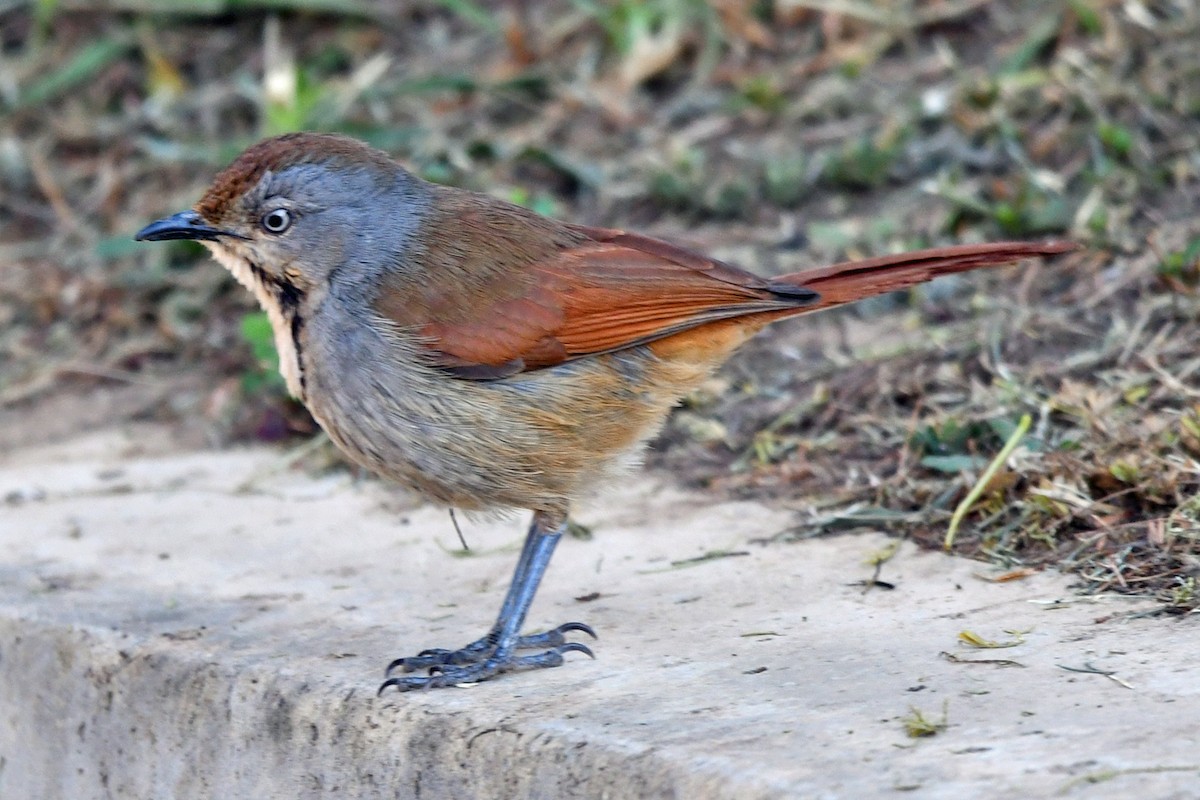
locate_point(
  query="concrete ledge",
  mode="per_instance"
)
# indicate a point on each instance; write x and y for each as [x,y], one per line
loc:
[197,625]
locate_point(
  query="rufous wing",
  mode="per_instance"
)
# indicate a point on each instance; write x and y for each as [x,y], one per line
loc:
[580,292]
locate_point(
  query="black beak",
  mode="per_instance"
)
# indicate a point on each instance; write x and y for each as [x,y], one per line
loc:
[184,225]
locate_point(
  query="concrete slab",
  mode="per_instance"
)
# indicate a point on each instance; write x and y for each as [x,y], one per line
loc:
[197,625]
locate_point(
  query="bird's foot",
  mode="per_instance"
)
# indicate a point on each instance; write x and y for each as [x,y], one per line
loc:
[485,658]
[480,649]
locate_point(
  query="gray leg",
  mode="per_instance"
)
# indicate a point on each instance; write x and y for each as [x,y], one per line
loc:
[495,652]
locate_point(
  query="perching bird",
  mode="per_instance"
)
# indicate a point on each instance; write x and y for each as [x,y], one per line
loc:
[487,356]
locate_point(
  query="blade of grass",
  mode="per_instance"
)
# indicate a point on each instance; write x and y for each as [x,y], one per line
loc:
[352,8]
[349,7]
[961,511]
[473,13]
[1034,43]
[83,67]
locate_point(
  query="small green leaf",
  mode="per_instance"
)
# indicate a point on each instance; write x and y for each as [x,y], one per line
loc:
[1125,471]
[1088,19]
[953,464]
[1118,139]
[256,330]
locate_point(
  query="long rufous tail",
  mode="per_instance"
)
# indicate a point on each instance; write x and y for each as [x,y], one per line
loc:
[854,280]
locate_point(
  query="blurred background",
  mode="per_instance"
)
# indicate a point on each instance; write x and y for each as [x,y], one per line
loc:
[776,134]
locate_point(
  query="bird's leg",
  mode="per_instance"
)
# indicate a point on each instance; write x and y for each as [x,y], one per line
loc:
[483,646]
[495,652]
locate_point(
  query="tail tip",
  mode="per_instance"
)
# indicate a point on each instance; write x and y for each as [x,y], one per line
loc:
[1054,247]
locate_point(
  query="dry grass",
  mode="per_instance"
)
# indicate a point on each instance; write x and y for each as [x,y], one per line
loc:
[776,134]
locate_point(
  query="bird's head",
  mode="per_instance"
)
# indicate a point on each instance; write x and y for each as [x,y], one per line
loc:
[292,209]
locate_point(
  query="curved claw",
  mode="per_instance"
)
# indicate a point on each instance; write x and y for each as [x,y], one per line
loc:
[406,662]
[390,682]
[577,647]
[406,684]
[567,627]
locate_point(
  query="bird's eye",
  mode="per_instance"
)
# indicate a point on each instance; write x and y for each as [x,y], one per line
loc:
[276,221]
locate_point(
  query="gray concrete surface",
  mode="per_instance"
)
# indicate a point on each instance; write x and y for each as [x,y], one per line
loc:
[178,625]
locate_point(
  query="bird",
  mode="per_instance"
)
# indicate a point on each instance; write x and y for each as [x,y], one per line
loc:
[491,358]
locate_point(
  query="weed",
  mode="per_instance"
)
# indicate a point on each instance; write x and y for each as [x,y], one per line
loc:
[263,377]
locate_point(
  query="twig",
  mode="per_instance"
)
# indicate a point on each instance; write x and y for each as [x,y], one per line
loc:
[1090,670]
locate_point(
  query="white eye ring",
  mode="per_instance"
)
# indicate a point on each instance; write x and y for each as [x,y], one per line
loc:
[276,221]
